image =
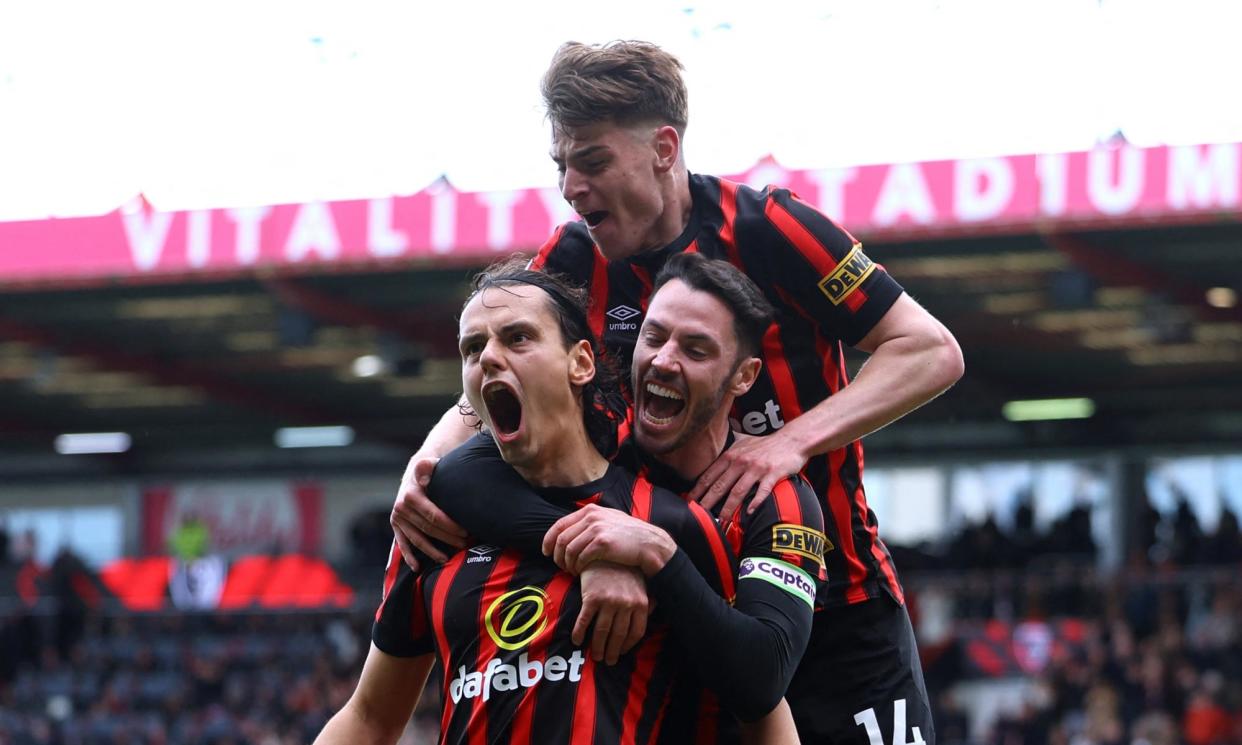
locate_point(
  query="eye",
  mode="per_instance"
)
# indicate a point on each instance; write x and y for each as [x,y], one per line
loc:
[695,353]
[471,349]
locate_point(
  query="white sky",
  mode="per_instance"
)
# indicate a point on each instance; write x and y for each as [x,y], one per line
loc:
[228,103]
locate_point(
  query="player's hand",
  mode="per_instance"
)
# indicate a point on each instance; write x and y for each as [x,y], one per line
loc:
[614,597]
[596,533]
[415,520]
[751,462]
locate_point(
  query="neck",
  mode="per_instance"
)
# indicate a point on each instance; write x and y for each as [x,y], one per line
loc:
[678,204]
[693,458]
[571,462]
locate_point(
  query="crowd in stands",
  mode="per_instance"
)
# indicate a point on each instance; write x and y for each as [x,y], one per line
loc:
[1157,653]
[199,679]
[1157,659]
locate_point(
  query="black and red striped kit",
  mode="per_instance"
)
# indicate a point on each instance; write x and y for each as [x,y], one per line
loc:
[826,292]
[861,664]
[499,622]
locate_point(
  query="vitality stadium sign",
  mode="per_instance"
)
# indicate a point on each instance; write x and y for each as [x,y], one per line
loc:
[1104,187]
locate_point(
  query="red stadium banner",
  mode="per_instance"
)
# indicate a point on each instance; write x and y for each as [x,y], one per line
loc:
[1108,186]
[251,582]
[238,517]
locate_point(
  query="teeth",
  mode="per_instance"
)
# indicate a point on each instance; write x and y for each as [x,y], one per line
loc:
[655,419]
[660,390]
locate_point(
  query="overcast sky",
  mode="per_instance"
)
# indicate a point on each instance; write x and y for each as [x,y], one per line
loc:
[237,103]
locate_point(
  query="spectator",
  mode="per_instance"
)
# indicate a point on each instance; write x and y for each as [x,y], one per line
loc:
[1225,545]
[191,540]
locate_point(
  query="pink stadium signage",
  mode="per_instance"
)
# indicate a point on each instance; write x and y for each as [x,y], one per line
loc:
[1105,187]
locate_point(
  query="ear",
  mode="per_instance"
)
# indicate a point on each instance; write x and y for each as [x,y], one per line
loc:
[745,375]
[667,148]
[581,363]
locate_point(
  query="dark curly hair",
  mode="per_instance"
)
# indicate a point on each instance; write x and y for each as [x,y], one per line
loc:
[603,405]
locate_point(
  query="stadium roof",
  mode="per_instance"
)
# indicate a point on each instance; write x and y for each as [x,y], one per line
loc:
[201,368]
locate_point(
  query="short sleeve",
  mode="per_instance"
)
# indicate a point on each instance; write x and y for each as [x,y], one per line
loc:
[820,267]
[783,542]
[401,628]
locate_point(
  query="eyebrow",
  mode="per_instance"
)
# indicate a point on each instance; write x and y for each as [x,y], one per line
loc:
[508,328]
[519,325]
[580,153]
[699,338]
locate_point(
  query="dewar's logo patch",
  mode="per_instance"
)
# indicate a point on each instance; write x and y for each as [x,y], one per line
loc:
[792,538]
[848,275]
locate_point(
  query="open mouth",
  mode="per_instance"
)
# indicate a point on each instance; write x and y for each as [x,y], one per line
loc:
[593,219]
[504,409]
[661,404]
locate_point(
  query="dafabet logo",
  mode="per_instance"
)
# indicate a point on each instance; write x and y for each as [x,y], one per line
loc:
[513,621]
[517,618]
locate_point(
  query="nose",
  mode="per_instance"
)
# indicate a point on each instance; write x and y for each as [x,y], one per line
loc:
[664,360]
[573,185]
[491,358]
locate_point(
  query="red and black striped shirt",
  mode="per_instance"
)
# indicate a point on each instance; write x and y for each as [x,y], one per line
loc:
[826,293]
[499,622]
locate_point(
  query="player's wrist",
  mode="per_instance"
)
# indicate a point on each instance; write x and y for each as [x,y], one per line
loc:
[657,553]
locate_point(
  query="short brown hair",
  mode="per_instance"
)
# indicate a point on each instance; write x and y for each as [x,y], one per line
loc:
[626,82]
[752,313]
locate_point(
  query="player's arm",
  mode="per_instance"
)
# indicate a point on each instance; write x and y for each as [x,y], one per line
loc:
[396,667]
[387,692]
[746,652]
[466,485]
[822,271]
[777,728]
[615,603]
[417,522]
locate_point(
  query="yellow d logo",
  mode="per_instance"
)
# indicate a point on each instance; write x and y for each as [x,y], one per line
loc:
[516,618]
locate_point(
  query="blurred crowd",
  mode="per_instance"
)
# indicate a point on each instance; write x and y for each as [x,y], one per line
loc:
[199,679]
[1155,653]
[1154,657]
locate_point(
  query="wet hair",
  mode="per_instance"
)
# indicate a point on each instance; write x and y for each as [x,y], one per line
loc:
[603,406]
[752,313]
[626,82]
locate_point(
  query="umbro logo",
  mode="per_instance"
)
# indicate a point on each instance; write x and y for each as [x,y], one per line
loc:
[480,554]
[624,313]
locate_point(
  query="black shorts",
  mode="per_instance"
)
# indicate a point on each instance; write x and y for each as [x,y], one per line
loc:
[861,672]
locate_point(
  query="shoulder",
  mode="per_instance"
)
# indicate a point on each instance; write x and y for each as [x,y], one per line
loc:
[793,502]
[570,250]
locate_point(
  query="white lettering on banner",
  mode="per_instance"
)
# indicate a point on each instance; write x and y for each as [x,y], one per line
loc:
[558,209]
[313,230]
[503,677]
[767,173]
[1052,170]
[147,233]
[248,220]
[904,192]
[831,184]
[1203,182]
[443,219]
[198,238]
[383,240]
[499,217]
[1115,194]
[982,188]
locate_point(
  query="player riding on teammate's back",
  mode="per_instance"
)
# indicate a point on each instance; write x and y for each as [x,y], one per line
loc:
[618,115]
